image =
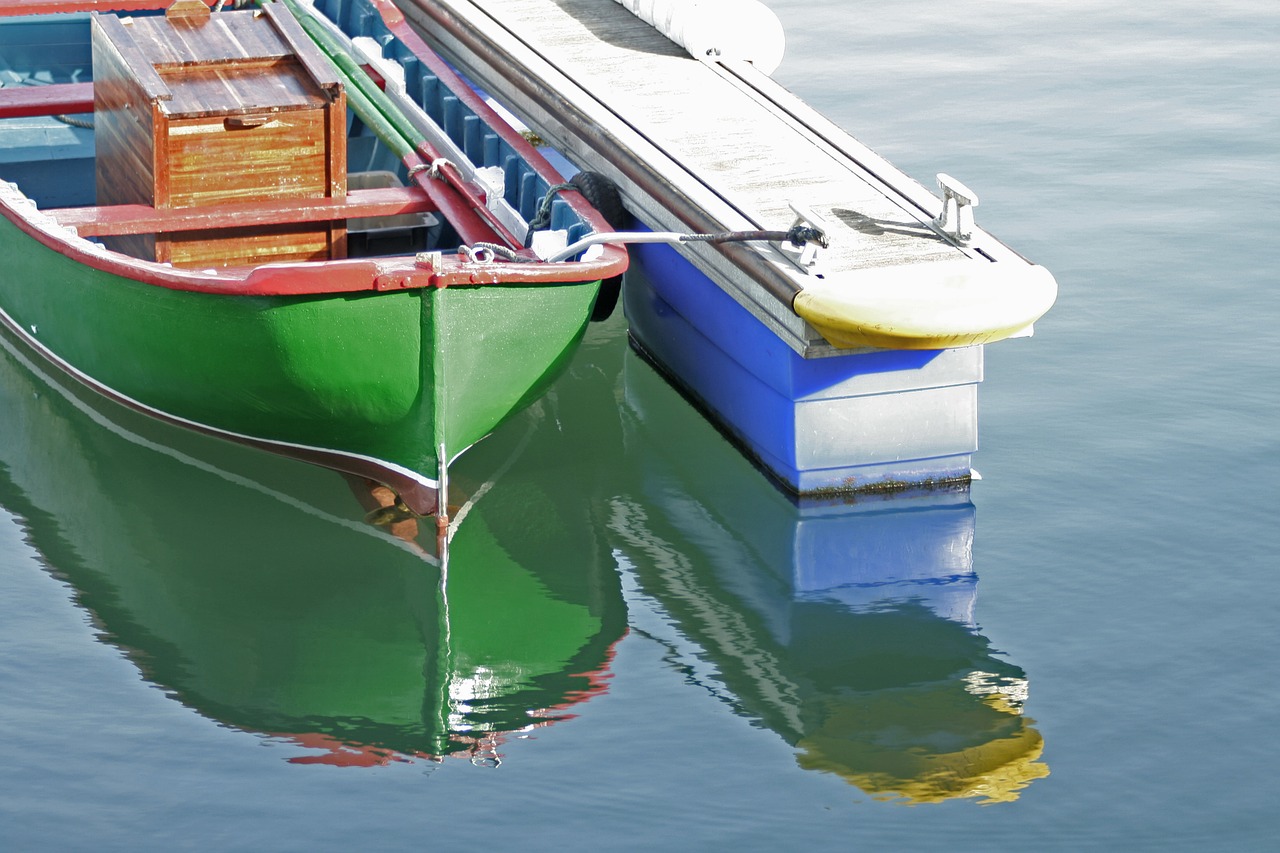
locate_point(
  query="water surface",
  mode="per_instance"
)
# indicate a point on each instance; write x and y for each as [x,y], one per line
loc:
[641,642]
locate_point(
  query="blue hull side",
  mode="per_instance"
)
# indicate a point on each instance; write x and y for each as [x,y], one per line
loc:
[858,422]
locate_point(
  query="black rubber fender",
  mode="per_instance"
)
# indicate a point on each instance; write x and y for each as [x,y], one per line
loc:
[602,193]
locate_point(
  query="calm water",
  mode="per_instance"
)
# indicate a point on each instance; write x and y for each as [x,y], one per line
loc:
[641,644]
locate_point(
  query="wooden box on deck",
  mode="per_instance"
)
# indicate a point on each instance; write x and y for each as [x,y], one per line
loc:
[195,109]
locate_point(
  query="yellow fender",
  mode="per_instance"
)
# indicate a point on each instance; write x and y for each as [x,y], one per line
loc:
[927,306]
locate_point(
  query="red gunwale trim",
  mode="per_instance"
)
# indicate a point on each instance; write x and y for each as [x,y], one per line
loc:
[47,100]
[115,220]
[307,277]
[51,7]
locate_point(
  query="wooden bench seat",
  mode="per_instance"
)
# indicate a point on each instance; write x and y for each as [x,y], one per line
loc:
[48,100]
[121,219]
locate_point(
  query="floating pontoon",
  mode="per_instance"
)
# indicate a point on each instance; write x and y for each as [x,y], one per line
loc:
[844,359]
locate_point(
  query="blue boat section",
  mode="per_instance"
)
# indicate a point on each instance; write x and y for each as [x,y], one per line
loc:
[53,158]
[869,421]
[52,155]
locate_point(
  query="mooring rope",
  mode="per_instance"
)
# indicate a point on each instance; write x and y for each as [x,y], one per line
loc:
[798,236]
[494,248]
[85,123]
[542,218]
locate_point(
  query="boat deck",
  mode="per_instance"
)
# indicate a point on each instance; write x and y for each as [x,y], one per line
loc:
[696,145]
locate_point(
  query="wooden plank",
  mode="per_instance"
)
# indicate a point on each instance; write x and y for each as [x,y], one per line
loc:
[242,246]
[129,56]
[50,7]
[128,219]
[232,37]
[318,66]
[213,161]
[253,85]
[696,145]
[238,61]
[46,100]
[124,128]
[724,136]
[234,116]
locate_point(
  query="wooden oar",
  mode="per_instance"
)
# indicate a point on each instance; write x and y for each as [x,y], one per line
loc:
[457,200]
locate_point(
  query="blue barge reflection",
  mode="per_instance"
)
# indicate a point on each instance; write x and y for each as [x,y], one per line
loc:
[847,628]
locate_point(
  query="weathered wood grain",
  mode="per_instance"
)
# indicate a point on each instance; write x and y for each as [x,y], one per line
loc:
[195,113]
[723,134]
[122,219]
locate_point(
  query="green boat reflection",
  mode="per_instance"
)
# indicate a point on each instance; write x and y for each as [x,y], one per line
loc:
[848,629]
[251,589]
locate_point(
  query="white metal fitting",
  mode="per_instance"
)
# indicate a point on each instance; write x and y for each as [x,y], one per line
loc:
[956,219]
[808,255]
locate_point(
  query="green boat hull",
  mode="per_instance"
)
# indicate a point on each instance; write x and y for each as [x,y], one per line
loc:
[415,340]
[384,376]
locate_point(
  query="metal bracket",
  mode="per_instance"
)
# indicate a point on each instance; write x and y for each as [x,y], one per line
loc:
[808,254]
[956,219]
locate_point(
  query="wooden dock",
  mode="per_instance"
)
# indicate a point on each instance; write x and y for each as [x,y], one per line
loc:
[695,145]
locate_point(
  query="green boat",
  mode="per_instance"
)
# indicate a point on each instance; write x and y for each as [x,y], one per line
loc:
[332,639]
[290,226]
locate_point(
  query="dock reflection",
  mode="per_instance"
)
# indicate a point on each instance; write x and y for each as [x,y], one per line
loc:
[848,629]
[251,589]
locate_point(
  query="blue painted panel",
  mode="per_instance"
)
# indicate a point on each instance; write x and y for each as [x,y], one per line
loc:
[830,423]
[748,341]
[752,411]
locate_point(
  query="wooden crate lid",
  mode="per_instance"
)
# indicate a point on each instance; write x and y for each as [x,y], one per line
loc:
[224,63]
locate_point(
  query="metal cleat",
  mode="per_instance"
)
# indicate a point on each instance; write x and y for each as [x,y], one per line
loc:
[808,254]
[956,219]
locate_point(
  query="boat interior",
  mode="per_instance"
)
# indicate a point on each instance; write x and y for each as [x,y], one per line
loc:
[48,150]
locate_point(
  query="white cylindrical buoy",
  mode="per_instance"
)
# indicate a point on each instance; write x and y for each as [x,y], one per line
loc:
[717,29]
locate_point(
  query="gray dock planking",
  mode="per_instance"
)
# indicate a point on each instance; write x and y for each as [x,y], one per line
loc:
[729,147]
